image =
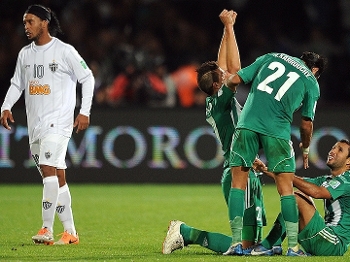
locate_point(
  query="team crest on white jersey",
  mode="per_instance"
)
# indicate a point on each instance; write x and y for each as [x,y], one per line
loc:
[48,155]
[53,66]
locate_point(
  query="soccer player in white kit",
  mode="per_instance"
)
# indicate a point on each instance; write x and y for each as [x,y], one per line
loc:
[47,71]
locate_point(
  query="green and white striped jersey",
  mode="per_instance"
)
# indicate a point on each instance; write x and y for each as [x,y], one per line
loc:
[222,111]
[337,209]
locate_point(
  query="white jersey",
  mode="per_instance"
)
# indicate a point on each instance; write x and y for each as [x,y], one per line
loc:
[48,75]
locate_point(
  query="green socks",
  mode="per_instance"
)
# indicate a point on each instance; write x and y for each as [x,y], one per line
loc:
[290,214]
[214,241]
[286,224]
[236,212]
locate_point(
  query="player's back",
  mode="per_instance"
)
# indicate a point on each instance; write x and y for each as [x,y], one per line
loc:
[280,84]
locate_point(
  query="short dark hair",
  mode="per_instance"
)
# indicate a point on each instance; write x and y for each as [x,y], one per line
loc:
[346,141]
[313,60]
[206,76]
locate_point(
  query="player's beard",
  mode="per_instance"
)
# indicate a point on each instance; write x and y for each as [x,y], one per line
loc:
[335,165]
[37,36]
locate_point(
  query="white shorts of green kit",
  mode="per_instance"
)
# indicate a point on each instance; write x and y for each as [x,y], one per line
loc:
[51,150]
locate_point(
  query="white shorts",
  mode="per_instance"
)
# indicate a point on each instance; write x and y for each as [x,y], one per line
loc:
[51,150]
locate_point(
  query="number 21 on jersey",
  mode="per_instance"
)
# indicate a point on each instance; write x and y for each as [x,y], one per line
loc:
[292,77]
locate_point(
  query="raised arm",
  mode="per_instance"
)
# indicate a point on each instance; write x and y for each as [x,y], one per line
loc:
[222,53]
[233,61]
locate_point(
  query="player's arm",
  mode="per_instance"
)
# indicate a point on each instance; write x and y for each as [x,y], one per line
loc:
[87,80]
[315,191]
[232,80]
[306,130]
[222,47]
[82,121]
[232,53]
[228,52]
[259,166]
[13,94]
[310,189]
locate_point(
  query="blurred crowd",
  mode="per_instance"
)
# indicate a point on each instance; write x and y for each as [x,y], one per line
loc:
[145,52]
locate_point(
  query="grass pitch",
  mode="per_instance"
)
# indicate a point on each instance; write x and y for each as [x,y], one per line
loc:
[124,222]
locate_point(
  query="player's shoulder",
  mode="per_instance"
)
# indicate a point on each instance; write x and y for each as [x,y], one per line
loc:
[283,57]
[63,45]
[24,52]
[346,176]
[271,57]
[25,48]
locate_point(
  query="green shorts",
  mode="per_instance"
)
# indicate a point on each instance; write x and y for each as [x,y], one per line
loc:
[254,214]
[279,153]
[320,240]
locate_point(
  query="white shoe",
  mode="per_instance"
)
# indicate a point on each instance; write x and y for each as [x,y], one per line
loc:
[234,250]
[44,236]
[173,239]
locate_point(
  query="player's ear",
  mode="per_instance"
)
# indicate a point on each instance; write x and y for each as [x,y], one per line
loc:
[315,70]
[348,163]
[216,86]
[46,24]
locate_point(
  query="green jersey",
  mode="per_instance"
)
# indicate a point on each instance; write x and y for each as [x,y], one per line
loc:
[337,209]
[280,84]
[222,111]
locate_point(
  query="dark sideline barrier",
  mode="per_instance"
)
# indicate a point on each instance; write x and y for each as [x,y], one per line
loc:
[153,146]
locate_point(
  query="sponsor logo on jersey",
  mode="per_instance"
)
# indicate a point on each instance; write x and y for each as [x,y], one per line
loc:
[46,205]
[35,88]
[53,66]
[48,155]
[60,209]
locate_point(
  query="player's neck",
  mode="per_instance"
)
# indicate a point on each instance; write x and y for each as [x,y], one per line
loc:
[43,40]
[338,171]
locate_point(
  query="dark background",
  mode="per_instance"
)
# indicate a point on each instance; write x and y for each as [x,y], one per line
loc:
[173,33]
[179,32]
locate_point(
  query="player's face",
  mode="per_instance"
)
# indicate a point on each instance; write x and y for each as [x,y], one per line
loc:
[338,156]
[33,26]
